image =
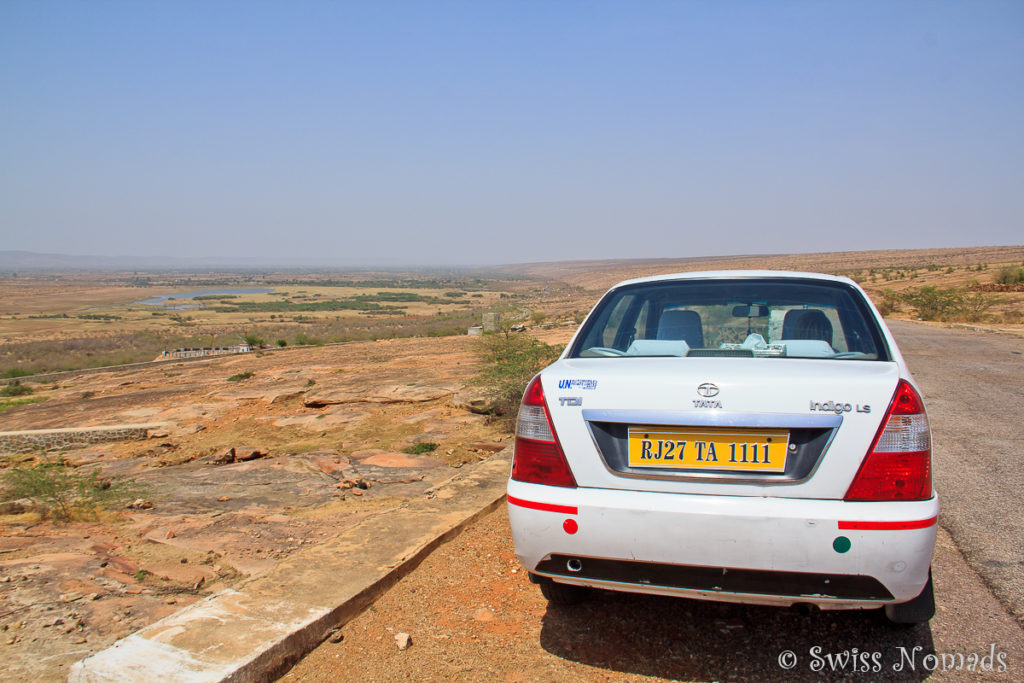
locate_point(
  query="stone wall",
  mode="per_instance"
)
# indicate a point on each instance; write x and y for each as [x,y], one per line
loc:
[56,376]
[48,439]
[169,361]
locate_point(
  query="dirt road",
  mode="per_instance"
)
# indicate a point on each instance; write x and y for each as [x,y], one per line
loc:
[472,614]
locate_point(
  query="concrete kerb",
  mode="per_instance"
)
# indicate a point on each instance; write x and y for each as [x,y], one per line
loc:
[258,630]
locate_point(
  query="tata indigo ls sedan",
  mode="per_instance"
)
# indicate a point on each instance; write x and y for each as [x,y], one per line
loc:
[741,436]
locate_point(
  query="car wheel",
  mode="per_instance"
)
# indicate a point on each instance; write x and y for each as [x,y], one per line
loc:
[563,593]
[917,611]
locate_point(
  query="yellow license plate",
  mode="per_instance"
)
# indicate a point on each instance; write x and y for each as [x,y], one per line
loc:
[709,448]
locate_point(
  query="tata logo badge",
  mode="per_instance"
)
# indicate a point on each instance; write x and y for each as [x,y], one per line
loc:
[708,390]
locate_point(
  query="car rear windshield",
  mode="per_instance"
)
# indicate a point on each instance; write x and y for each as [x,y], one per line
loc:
[756,317]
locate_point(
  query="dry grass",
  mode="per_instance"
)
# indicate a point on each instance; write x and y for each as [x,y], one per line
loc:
[69,322]
[45,322]
[900,271]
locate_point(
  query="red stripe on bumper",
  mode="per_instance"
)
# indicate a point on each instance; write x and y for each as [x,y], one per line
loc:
[546,507]
[890,526]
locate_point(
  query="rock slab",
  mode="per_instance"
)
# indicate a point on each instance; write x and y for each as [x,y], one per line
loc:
[261,628]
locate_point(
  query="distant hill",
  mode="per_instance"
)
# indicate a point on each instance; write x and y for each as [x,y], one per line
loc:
[28,260]
[33,261]
[599,275]
[16,261]
[593,273]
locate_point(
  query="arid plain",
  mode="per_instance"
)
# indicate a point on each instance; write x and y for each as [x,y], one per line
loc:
[360,394]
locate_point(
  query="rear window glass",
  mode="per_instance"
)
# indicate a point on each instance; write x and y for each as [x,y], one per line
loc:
[763,318]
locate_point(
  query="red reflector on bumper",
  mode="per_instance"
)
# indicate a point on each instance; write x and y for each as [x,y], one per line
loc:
[546,507]
[889,526]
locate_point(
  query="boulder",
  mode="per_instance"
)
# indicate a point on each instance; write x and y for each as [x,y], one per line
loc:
[245,453]
[225,456]
[475,400]
[15,507]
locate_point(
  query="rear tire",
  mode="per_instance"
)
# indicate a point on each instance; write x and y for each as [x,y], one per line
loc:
[563,593]
[917,611]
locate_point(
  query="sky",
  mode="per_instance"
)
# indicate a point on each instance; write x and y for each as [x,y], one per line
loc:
[481,132]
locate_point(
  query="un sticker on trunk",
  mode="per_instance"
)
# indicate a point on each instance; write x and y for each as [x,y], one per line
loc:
[709,448]
[577,384]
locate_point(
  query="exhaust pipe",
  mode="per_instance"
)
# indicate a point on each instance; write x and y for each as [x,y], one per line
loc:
[574,565]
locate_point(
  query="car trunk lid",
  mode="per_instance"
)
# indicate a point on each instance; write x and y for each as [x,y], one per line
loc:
[782,427]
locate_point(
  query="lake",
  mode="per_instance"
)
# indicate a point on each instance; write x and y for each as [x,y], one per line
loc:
[160,299]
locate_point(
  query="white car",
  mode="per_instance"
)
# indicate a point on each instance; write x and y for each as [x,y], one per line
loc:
[741,436]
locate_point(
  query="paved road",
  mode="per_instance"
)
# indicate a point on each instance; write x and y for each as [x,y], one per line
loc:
[973,384]
[473,615]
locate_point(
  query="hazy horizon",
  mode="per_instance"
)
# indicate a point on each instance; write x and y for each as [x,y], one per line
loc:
[454,133]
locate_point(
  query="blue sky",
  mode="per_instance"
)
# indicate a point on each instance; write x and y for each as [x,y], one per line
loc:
[450,133]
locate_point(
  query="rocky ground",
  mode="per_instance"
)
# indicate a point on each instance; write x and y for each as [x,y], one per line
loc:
[242,474]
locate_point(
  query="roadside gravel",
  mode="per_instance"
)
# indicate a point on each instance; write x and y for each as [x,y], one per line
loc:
[473,615]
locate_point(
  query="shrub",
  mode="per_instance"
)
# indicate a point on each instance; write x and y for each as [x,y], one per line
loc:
[888,302]
[61,491]
[509,361]
[241,376]
[253,340]
[421,448]
[16,388]
[281,342]
[974,305]
[1010,276]
[935,303]
[303,339]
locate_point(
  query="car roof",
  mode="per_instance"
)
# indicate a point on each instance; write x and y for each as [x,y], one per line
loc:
[737,274]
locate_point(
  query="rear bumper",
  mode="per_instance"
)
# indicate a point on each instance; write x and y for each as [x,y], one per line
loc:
[778,551]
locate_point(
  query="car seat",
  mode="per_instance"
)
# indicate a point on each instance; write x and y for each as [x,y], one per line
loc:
[681,324]
[807,324]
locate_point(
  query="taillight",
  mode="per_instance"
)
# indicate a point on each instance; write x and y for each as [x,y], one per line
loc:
[899,464]
[538,457]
